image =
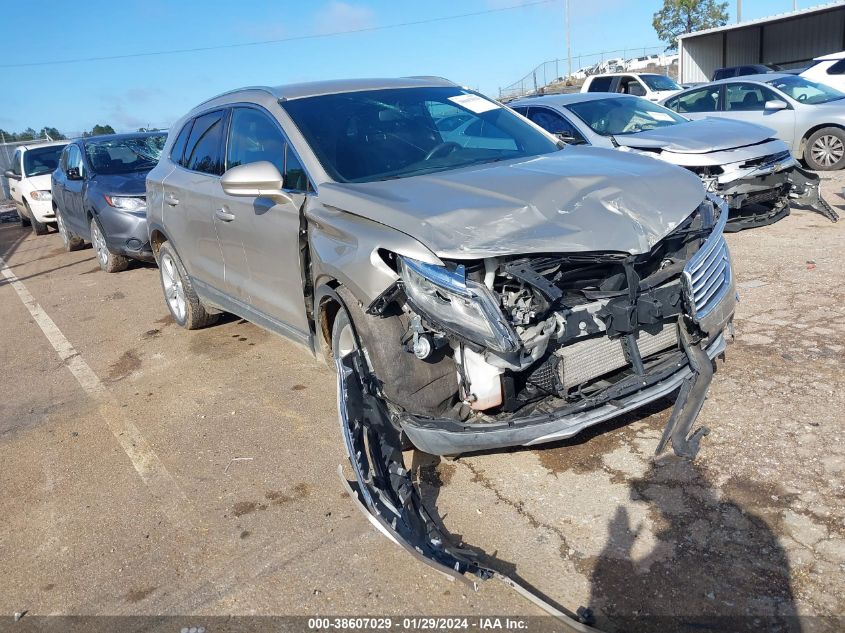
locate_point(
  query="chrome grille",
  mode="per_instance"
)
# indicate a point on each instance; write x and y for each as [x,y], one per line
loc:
[707,275]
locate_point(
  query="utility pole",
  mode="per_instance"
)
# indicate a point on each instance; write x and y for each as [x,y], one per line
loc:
[739,10]
[568,40]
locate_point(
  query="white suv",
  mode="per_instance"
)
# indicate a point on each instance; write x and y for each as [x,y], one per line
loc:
[651,86]
[829,69]
[29,183]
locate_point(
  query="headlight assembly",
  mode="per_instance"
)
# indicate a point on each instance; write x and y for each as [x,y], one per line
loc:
[124,203]
[41,196]
[464,307]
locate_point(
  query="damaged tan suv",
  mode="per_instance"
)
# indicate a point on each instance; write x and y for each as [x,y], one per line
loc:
[478,283]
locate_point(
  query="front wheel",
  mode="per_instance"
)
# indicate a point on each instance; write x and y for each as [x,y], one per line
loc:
[109,262]
[825,150]
[39,228]
[181,298]
[71,242]
[24,220]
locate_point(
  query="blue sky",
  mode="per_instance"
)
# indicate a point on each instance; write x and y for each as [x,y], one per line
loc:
[485,51]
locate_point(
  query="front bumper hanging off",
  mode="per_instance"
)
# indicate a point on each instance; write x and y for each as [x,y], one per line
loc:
[384,491]
[765,200]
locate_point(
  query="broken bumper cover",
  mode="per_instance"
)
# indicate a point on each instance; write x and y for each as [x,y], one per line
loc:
[384,491]
[763,200]
[449,437]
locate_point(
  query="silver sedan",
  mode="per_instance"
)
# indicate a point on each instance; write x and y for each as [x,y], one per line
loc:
[809,116]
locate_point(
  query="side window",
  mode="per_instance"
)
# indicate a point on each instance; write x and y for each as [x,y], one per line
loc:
[838,68]
[295,178]
[703,100]
[178,151]
[203,151]
[747,97]
[254,137]
[556,124]
[600,84]
[16,163]
[520,110]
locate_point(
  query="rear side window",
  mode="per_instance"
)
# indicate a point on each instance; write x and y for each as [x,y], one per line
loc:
[178,149]
[600,84]
[703,100]
[203,151]
[838,68]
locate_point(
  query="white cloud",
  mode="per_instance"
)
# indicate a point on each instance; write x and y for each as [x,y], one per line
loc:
[343,16]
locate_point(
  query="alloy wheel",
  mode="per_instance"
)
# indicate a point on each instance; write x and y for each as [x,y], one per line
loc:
[174,293]
[99,243]
[346,341]
[62,230]
[828,150]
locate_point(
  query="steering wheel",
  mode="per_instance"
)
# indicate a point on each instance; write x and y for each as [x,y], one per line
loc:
[440,148]
[802,96]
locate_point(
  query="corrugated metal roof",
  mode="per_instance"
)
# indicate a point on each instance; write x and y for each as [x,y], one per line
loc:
[771,18]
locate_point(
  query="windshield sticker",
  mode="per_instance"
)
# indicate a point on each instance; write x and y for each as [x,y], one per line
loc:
[474,103]
[661,116]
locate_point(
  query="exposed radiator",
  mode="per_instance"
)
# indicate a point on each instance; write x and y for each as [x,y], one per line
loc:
[584,360]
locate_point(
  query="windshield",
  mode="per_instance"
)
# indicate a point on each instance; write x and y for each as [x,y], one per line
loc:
[659,82]
[623,115]
[806,91]
[124,155]
[41,160]
[396,133]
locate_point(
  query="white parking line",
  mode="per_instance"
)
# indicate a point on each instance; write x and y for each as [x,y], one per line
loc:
[144,459]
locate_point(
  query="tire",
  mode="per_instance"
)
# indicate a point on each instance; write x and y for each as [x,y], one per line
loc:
[825,149]
[24,220]
[71,241]
[39,228]
[182,301]
[108,261]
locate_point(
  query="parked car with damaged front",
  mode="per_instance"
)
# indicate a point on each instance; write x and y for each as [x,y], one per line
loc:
[741,162]
[477,290]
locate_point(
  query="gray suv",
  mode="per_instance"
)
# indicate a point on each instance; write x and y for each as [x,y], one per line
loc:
[477,283]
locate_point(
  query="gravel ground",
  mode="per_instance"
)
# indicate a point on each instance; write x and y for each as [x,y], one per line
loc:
[752,531]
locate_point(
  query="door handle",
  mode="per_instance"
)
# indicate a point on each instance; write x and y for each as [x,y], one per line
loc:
[171,199]
[223,215]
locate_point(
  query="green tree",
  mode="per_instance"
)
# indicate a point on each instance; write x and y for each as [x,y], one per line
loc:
[53,133]
[98,130]
[685,16]
[27,135]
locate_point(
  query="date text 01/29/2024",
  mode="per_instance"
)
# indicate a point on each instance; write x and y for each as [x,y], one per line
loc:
[417,623]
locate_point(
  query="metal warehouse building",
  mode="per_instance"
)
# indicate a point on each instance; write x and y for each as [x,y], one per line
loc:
[789,40]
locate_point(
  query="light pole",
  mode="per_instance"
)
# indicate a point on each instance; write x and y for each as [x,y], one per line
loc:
[739,10]
[568,40]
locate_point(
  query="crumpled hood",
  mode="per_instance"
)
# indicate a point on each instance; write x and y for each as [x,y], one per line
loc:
[130,184]
[579,199]
[699,137]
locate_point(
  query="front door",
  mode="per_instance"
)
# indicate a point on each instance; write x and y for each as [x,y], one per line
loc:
[74,185]
[265,232]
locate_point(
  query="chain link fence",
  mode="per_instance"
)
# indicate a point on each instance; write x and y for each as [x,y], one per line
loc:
[554,75]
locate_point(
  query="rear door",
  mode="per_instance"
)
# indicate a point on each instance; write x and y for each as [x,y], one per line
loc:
[189,192]
[267,233]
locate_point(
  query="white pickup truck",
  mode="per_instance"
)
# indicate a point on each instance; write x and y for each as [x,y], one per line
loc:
[29,183]
[647,85]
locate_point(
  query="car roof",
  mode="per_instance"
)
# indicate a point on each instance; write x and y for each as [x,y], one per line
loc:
[627,73]
[36,144]
[759,78]
[117,137]
[566,99]
[337,86]
[831,56]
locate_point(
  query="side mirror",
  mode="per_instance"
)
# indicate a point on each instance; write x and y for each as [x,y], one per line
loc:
[255,180]
[776,104]
[73,173]
[10,174]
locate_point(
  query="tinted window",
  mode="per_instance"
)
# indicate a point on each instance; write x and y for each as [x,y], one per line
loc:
[16,163]
[178,150]
[381,134]
[600,84]
[838,68]
[124,155]
[747,97]
[555,123]
[294,174]
[254,137]
[203,151]
[702,100]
